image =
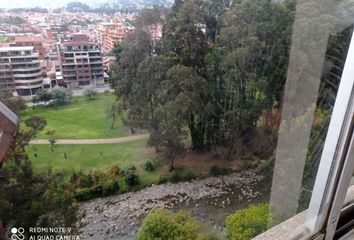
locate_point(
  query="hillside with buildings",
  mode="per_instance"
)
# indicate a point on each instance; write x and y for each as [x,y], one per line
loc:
[67,50]
[114,4]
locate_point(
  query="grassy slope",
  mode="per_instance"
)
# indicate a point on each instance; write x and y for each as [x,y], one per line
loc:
[81,119]
[88,157]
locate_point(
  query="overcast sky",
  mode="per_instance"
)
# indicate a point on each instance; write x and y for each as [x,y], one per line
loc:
[41,3]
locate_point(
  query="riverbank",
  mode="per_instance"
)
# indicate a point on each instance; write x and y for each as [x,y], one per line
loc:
[210,200]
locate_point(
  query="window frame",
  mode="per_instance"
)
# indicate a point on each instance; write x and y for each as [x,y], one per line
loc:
[337,160]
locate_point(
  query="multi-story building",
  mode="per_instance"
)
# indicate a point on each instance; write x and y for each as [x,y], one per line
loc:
[57,31]
[80,63]
[111,34]
[26,41]
[41,45]
[20,71]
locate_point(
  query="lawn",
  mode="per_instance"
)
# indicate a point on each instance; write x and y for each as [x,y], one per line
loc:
[3,39]
[94,157]
[80,119]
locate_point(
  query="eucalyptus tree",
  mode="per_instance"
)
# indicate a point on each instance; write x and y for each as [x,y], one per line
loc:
[218,65]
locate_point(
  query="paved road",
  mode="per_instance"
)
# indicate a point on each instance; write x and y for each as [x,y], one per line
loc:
[100,89]
[76,93]
[93,141]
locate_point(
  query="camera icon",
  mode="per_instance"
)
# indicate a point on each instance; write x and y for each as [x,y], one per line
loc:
[17,233]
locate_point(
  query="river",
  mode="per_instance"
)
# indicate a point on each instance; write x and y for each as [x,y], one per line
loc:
[210,201]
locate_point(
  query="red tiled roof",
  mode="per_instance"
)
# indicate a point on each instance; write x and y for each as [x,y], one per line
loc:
[28,39]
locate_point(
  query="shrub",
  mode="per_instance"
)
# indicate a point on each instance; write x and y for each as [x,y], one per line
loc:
[162,179]
[163,224]
[110,188]
[75,176]
[189,175]
[90,93]
[96,191]
[248,223]
[114,171]
[84,181]
[122,186]
[132,168]
[61,96]
[217,171]
[247,165]
[123,173]
[97,176]
[83,194]
[132,179]
[148,166]
[175,176]
[44,95]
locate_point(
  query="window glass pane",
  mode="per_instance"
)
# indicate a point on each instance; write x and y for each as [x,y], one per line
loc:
[321,148]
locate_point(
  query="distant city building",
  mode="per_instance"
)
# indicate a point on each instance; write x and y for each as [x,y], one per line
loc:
[28,41]
[20,71]
[110,34]
[155,33]
[57,31]
[77,37]
[107,62]
[43,46]
[80,62]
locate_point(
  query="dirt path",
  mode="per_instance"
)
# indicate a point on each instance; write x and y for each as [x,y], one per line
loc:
[93,141]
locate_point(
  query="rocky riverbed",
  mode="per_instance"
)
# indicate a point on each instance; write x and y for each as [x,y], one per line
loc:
[210,200]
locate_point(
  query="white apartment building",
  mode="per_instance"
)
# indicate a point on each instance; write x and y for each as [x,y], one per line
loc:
[20,71]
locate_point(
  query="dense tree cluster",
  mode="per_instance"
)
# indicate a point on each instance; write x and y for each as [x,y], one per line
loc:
[219,67]
[127,6]
[29,10]
[12,20]
[77,7]
[57,96]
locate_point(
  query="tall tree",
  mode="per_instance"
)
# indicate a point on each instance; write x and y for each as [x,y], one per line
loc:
[136,47]
[187,90]
[184,35]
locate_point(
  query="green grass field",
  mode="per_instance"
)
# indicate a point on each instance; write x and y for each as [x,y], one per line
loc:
[80,119]
[3,39]
[86,119]
[88,158]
